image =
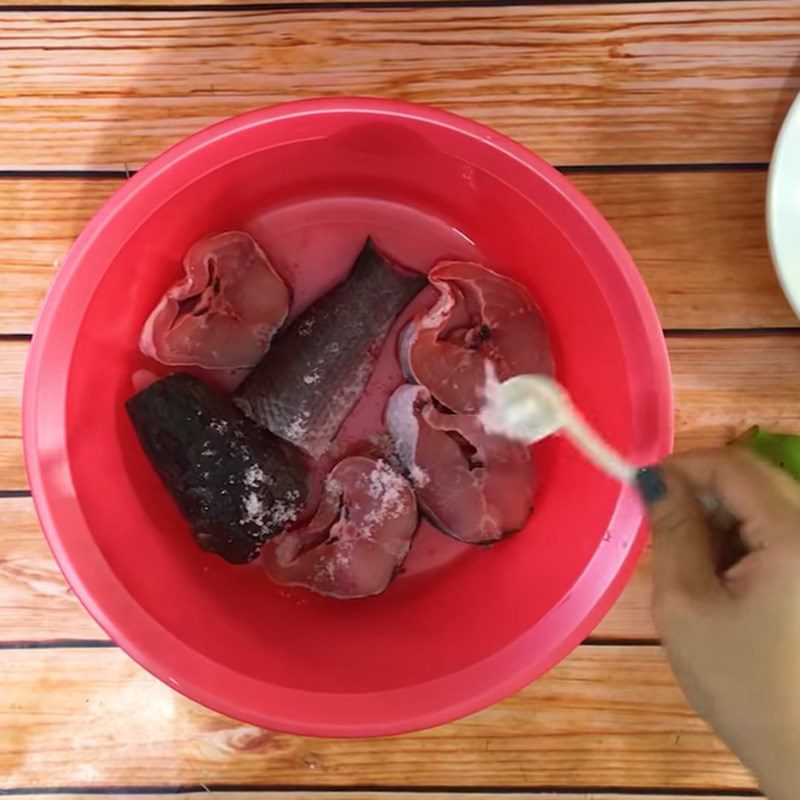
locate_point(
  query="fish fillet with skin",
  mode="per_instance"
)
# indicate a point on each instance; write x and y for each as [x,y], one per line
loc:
[480,317]
[358,538]
[474,486]
[236,484]
[223,313]
[315,371]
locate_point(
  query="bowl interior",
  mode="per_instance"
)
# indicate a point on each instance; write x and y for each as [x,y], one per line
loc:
[309,191]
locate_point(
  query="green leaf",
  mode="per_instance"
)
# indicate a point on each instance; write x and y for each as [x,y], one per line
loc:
[781,449]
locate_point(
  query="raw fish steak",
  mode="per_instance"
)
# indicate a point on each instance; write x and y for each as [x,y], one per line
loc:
[223,312]
[473,485]
[358,538]
[235,483]
[316,370]
[480,316]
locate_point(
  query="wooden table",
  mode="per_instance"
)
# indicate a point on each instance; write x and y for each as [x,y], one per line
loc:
[664,113]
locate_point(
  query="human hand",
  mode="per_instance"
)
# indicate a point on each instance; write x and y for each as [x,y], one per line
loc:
[732,634]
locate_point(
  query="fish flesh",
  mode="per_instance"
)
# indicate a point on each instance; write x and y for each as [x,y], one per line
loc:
[475,486]
[358,538]
[480,317]
[235,483]
[223,313]
[315,371]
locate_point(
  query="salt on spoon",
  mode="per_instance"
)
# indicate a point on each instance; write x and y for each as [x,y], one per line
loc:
[529,408]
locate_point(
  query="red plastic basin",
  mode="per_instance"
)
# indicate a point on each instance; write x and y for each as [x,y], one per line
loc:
[464,626]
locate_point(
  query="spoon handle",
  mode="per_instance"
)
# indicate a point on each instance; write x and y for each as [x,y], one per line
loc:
[595,448]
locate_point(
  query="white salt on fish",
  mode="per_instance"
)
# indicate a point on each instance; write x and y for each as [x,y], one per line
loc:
[317,369]
[474,486]
[358,538]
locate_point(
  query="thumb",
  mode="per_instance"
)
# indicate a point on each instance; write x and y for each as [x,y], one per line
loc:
[683,558]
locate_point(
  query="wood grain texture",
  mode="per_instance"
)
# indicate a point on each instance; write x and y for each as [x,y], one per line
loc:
[12,365]
[698,239]
[630,618]
[583,84]
[41,218]
[723,384]
[607,716]
[209,4]
[37,605]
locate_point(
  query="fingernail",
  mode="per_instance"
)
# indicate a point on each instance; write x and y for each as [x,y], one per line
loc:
[651,485]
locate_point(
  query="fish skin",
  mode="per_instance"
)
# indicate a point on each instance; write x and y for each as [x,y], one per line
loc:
[315,371]
[206,453]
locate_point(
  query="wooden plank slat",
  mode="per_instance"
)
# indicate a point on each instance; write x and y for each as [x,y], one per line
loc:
[37,605]
[41,218]
[110,5]
[586,84]
[698,239]
[607,716]
[207,4]
[723,385]
[12,365]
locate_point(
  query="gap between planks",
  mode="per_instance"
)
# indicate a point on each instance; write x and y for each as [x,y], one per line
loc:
[566,169]
[678,333]
[698,239]
[232,792]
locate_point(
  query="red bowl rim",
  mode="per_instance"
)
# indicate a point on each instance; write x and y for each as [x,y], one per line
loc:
[475,687]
